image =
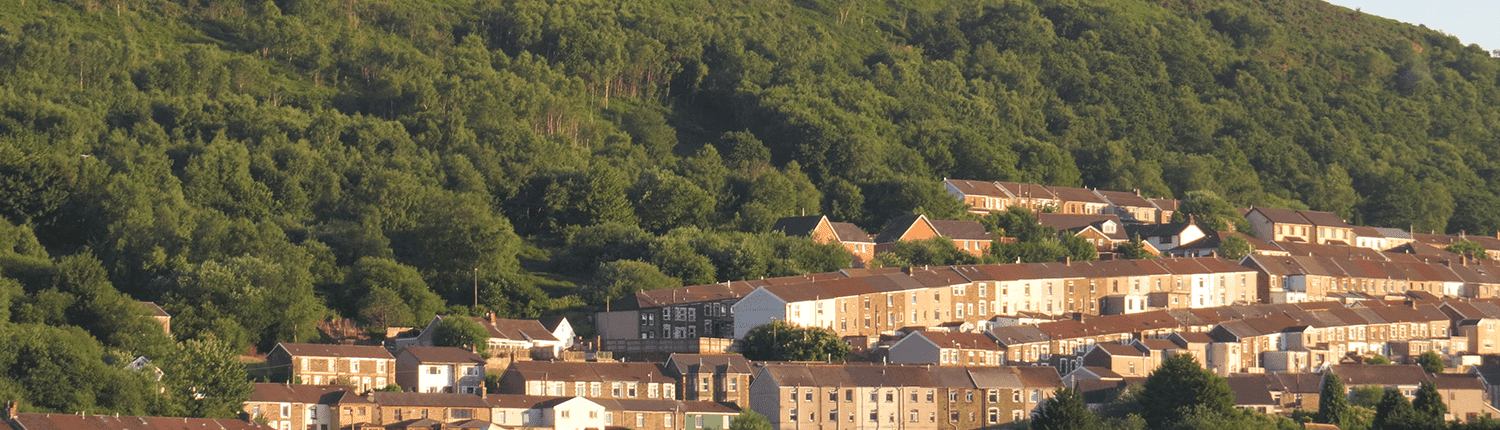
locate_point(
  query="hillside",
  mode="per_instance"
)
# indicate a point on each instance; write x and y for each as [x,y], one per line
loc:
[258,166]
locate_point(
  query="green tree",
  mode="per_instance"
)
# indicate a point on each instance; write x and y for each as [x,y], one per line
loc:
[1235,247]
[1396,413]
[1429,404]
[207,377]
[621,278]
[748,419]
[394,294]
[937,251]
[1134,250]
[1367,396]
[1469,248]
[461,332]
[1378,360]
[782,341]
[1179,385]
[1066,411]
[1333,405]
[1432,362]
[1211,212]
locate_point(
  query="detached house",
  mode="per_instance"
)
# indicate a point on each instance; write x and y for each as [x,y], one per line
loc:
[968,236]
[821,230]
[439,369]
[364,367]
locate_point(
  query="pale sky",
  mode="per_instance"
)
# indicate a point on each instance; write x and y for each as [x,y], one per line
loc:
[1471,21]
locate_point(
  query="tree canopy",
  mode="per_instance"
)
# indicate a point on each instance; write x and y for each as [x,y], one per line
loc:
[781,341]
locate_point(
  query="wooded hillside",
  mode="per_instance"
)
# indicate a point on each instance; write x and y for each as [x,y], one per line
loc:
[256,167]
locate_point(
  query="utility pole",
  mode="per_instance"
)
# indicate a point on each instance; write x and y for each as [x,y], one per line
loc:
[476,288]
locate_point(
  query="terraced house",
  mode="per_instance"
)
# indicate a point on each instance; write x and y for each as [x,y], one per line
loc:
[364,367]
[832,396]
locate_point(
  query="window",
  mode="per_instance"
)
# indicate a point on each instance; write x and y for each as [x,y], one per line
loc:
[969,396]
[1015,396]
[354,365]
[666,421]
[286,411]
[579,388]
[704,384]
[929,396]
[651,391]
[953,415]
[614,389]
[640,420]
[993,416]
[890,396]
[833,415]
[833,396]
[914,415]
[630,390]
[609,418]
[913,396]
[952,396]
[874,396]
[993,396]
[461,413]
[874,415]
[698,422]
[809,395]
[848,395]
[793,396]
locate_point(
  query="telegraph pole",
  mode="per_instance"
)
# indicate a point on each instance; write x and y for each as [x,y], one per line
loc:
[476,288]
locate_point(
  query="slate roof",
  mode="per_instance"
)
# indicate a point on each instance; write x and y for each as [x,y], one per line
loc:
[442,354]
[978,188]
[521,401]
[1082,195]
[518,330]
[1078,222]
[157,310]
[850,233]
[1371,374]
[1125,198]
[682,364]
[308,394]
[1028,191]
[32,421]
[588,371]
[961,230]
[341,351]
[898,227]
[960,340]
[460,400]
[798,225]
[1281,216]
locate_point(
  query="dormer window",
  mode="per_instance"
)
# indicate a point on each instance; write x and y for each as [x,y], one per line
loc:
[1109,227]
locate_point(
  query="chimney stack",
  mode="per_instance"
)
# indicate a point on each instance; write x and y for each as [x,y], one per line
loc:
[10,410]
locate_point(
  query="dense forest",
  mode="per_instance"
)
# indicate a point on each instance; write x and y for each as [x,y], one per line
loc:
[257,167]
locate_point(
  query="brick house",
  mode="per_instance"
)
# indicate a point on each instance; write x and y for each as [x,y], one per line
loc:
[160,315]
[595,380]
[313,407]
[363,367]
[821,230]
[946,349]
[439,369]
[711,377]
[968,236]
[1131,207]
[411,409]
[982,197]
[1103,231]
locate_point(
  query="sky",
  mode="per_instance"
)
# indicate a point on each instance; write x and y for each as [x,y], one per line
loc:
[1471,21]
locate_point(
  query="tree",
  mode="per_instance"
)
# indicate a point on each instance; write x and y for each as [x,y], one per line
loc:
[1429,403]
[622,278]
[1469,248]
[1066,411]
[1211,212]
[782,341]
[1134,250]
[1179,385]
[1396,413]
[748,419]
[1432,362]
[1379,360]
[1366,396]
[1333,406]
[1235,247]
[207,377]
[461,332]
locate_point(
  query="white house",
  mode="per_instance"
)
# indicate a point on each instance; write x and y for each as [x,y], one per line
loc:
[439,369]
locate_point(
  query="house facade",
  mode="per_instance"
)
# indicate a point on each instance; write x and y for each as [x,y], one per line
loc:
[439,369]
[364,367]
